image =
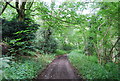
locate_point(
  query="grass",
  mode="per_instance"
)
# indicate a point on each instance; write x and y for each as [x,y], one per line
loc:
[89,68]
[27,68]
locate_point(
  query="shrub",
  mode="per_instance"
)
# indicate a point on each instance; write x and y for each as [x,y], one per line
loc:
[19,36]
[10,27]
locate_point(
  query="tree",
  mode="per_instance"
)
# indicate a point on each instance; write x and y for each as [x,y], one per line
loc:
[21,6]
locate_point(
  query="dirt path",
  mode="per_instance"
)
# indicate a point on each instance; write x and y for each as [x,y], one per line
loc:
[60,68]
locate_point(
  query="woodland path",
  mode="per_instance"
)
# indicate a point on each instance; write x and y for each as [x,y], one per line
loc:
[60,68]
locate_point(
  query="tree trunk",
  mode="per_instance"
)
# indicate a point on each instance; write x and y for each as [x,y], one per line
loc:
[20,10]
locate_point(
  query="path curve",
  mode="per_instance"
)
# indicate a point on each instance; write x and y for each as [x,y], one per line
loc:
[60,68]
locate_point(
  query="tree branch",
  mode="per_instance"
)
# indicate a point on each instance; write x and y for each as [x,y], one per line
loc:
[57,17]
[11,5]
[31,5]
[64,20]
[100,25]
[17,6]
[114,45]
[4,8]
[105,34]
[118,55]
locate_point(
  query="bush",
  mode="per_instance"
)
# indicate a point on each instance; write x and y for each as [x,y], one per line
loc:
[19,36]
[10,27]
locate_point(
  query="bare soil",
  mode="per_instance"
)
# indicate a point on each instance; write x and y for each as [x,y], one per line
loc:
[60,68]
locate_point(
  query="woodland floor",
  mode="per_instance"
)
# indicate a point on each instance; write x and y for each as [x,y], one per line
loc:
[60,68]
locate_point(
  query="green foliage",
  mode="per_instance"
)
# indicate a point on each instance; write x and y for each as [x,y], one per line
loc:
[63,28]
[27,68]
[4,64]
[19,36]
[10,27]
[113,70]
[89,68]
[68,47]
[60,52]
[45,41]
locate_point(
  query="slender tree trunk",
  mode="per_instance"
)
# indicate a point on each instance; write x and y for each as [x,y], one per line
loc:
[20,10]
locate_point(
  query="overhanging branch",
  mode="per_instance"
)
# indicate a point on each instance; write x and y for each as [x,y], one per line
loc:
[31,5]
[4,8]
[57,17]
[11,5]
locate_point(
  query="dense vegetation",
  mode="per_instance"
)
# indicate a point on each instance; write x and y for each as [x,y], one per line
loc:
[26,67]
[89,67]
[33,33]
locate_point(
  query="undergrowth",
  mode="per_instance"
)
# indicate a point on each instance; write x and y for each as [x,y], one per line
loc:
[27,68]
[90,69]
